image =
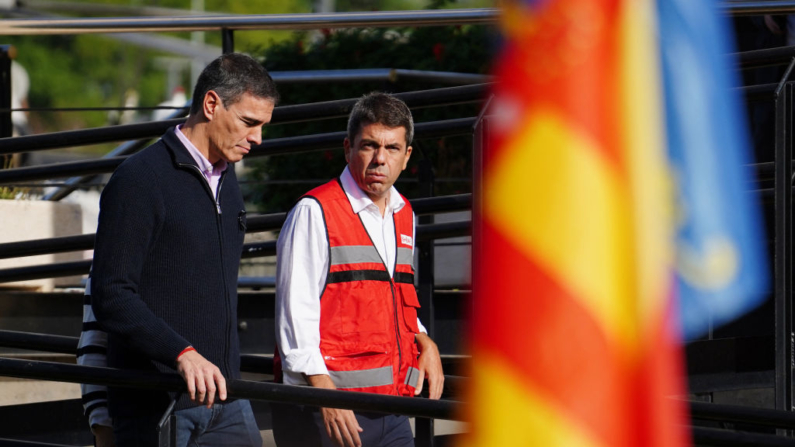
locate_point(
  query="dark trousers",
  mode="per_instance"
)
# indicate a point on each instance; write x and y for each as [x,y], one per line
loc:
[225,424]
[302,426]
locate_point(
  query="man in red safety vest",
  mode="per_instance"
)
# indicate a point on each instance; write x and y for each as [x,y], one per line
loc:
[346,307]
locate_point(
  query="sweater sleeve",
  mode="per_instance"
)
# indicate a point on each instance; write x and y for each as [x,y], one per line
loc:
[131,214]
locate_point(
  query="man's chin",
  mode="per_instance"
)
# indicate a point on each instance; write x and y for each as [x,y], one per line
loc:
[234,158]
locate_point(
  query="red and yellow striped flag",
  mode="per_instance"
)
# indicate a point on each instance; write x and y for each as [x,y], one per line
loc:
[573,342]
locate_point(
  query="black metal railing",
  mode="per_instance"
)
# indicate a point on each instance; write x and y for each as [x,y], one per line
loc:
[281,115]
[252,363]
[230,23]
[254,224]
[240,389]
[275,146]
[56,270]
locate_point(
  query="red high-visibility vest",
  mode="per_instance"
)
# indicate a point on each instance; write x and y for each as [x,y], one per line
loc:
[367,318]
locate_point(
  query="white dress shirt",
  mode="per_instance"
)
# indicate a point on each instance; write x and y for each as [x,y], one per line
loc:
[301,267]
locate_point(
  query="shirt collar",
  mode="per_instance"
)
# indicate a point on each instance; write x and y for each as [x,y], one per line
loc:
[360,200]
[203,163]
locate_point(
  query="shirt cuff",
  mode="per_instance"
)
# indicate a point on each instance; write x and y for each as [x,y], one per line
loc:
[100,416]
[305,361]
[422,328]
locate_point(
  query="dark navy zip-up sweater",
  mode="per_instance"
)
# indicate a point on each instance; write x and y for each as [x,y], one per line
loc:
[165,269]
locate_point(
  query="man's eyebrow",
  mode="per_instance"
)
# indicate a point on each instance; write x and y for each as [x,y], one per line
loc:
[370,140]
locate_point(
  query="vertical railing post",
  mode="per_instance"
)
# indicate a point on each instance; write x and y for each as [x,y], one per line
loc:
[227,40]
[7,53]
[783,244]
[423,428]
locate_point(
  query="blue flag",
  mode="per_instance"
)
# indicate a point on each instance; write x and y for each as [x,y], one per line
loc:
[722,269]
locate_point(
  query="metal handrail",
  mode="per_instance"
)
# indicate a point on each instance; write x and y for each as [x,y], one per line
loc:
[377,74]
[238,389]
[746,415]
[765,57]
[248,362]
[729,438]
[756,8]
[304,21]
[254,224]
[38,342]
[4,442]
[310,21]
[56,270]
[97,8]
[427,231]
[62,344]
[274,146]
[281,115]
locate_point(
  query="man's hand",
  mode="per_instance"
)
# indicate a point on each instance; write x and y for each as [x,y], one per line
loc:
[341,425]
[103,436]
[202,377]
[430,363]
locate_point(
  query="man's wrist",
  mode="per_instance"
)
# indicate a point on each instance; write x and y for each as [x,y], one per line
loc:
[321,381]
[99,427]
[184,351]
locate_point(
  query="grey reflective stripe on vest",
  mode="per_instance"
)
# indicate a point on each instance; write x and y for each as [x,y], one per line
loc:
[404,256]
[88,287]
[354,254]
[362,378]
[412,376]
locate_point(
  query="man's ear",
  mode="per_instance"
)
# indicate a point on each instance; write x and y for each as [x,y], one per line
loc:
[210,104]
[347,145]
[406,160]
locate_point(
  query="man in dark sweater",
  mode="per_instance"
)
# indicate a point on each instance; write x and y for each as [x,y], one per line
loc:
[164,278]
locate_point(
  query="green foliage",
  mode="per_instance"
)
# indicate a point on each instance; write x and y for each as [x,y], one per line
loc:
[83,71]
[90,70]
[464,49]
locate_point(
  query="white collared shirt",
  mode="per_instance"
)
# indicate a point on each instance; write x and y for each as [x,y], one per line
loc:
[212,172]
[301,267]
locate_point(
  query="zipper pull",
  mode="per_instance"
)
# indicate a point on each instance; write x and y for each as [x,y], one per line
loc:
[218,207]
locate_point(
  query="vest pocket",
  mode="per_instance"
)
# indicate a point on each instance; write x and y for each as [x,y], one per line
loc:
[410,306]
[364,309]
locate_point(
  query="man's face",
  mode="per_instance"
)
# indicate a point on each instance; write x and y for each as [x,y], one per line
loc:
[234,129]
[376,157]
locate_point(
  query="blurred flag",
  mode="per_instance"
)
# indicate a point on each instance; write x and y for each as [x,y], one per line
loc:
[602,194]
[721,266]
[575,341]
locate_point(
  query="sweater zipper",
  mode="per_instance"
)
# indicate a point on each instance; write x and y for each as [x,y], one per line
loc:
[217,201]
[223,271]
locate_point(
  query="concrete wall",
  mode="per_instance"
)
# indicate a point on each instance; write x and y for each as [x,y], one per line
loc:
[22,220]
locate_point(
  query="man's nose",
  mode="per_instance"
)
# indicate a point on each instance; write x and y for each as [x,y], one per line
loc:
[255,136]
[379,157]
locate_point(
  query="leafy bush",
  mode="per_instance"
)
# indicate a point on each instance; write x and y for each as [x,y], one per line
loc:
[464,49]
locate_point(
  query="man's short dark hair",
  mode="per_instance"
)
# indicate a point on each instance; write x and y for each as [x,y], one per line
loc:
[380,108]
[230,76]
